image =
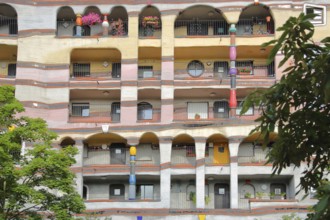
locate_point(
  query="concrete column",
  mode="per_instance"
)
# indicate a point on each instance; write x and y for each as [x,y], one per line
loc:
[233,149]
[200,172]
[167,108]
[79,164]
[165,147]
[128,104]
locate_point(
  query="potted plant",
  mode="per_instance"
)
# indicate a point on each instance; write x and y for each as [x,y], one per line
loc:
[245,70]
[272,195]
[207,200]
[259,195]
[91,19]
[283,195]
[192,197]
[247,195]
[197,116]
[117,28]
[152,21]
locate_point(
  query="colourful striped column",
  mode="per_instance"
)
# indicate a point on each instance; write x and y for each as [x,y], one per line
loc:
[232,70]
[132,177]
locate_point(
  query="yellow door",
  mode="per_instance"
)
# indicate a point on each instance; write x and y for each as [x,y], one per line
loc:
[220,153]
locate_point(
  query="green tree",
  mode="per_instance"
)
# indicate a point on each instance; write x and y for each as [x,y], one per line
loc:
[40,181]
[298,106]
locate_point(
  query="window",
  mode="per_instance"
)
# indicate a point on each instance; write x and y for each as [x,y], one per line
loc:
[250,111]
[115,112]
[80,109]
[221,109]
[220,68]
[12,70]
[198,28]
[145,191]
[245,67]
[116,70]
[195,68]
[85,192]
[145,71]
[144,111]
[198,108]
[190,151]
[81,69]
[320,12]
[117,191]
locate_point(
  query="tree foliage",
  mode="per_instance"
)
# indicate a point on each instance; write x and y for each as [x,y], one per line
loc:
[40,181]
[299,107]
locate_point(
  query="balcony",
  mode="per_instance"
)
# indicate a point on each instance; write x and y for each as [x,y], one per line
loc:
[8,20]
[150,24]
[200,21]
[7,69]
[255,20]
[117,19]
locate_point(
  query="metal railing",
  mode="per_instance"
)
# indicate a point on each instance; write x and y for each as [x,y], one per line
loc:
[84,112]
[259,156]
[68,28]
[255,27]
[183,28]
[150,30]
[262,71]
[149,71]
[84,70]
[8,25]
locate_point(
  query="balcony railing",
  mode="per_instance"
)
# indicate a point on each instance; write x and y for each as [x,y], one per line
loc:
[259,156]
[8,25]
[255,27]
[184,28]
[68,28]
[82,70]
[84,112]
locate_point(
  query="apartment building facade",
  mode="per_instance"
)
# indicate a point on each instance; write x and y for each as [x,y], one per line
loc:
[168,77]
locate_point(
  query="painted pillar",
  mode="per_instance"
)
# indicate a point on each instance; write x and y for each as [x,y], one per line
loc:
[105,25]
[78,25]
[132,177]
[200,172]
[232,71]
[233,149]
[165,147]
[167,75]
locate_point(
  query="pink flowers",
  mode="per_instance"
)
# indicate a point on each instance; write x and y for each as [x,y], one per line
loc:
[91,19]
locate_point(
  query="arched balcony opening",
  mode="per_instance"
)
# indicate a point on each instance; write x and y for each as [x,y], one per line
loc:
[66,21]
[150,24]
[68,141]
[217,150]
[8,60]
[90,23]
[105,149]
[118,22]
[183,151]
[256,20]
[148,150]
[8,20]
[200,21]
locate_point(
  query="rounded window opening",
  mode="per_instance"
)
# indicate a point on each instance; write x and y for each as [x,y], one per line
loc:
[195,68]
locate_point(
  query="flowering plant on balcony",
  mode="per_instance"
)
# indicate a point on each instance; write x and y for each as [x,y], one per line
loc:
[150,20]
[91,19]
[245,70]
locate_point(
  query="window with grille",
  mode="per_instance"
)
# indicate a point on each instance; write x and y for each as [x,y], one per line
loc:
[81,69]
[145,71]
[12,70]
[245,67]
[195,68]
[250,111]
[117,191]
[115,111]
[220,68]
[144,111]
[80,109]
[116,70]
[221,109]
[319,11]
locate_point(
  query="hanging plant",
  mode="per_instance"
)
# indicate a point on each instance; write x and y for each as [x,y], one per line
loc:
[91,19]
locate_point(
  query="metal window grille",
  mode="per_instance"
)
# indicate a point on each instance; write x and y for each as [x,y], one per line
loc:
[319,11]
[12,70]
[145,71]
[80,109]
[221,109]
[9,23]
[116,70]
[115,111]
[220,68]
[81,69]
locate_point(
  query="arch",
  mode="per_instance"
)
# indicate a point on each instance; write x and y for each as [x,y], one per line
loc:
[118,16]
[145,111]
[200,20]
[8,20]
[217,149]
[256,20]
[67,141]
[149,137]
[148,149]
[150,23]
[247,191]
[183,150]
[101,138]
